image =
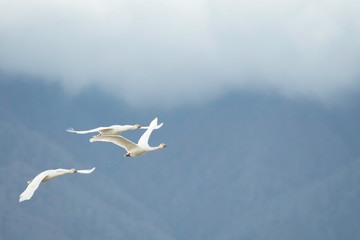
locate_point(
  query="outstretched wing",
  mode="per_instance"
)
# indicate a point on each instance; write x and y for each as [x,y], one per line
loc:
[118,140]
[144,139]
[86,171]
[157,127]
[88,131]
[33,185]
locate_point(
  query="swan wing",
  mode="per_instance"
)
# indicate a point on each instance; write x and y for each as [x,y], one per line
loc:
[88,131]
[144,139]
[157,127]
[86,171]
[118,140]
[33,185]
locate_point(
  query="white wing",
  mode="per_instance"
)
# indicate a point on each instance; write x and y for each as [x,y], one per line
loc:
[31,188]
[86,171]
[88,131]
[157,127]
[118,140]
[144,139]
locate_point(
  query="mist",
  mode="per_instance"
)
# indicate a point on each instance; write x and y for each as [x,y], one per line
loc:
[154,52]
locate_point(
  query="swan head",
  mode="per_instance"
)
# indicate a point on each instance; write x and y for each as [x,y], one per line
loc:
[163,145]
[73,170]
[138,126]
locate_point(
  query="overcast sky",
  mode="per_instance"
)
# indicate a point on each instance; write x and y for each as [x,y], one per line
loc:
[157,52]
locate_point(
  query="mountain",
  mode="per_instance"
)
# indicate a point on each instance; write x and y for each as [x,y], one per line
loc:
[247,166]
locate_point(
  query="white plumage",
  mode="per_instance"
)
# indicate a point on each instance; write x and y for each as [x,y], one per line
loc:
[133,149]
[111,130]
[46,176]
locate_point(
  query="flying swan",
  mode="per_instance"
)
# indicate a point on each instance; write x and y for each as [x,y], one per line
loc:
[111,130]
[46,176]
[133,149]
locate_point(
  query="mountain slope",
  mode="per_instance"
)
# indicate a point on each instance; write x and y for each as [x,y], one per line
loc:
[241,167]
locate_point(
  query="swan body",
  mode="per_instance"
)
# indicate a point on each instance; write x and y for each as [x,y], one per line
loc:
[46,176]
[133,149]
[111,130]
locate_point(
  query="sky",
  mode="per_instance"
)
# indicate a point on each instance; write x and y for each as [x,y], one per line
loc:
[157,52]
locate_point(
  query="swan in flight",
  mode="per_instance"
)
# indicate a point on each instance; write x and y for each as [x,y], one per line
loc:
[133,149]
[111,130]
[46,176]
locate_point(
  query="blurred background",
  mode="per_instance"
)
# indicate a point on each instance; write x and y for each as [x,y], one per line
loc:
[260,104]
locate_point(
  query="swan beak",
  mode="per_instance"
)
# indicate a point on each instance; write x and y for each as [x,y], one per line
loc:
[74,171]
[138,126]
[164,145]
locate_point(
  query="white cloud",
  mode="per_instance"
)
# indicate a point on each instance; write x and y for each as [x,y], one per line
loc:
[180,51]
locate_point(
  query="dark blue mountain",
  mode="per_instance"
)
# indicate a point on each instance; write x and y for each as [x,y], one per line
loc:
[246,166]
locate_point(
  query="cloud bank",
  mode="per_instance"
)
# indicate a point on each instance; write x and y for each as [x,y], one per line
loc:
[173,52]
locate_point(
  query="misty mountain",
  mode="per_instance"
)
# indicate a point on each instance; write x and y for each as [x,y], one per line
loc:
[245,166]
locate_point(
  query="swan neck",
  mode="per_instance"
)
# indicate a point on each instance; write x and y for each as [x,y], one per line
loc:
[154,148]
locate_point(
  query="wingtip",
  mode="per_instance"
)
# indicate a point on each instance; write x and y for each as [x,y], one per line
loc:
[94,138]
[87,171]
[154,122]
[158,126]
[21,199]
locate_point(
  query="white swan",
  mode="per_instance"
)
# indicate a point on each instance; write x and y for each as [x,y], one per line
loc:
[133,149]
[46,176]
[111,130]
